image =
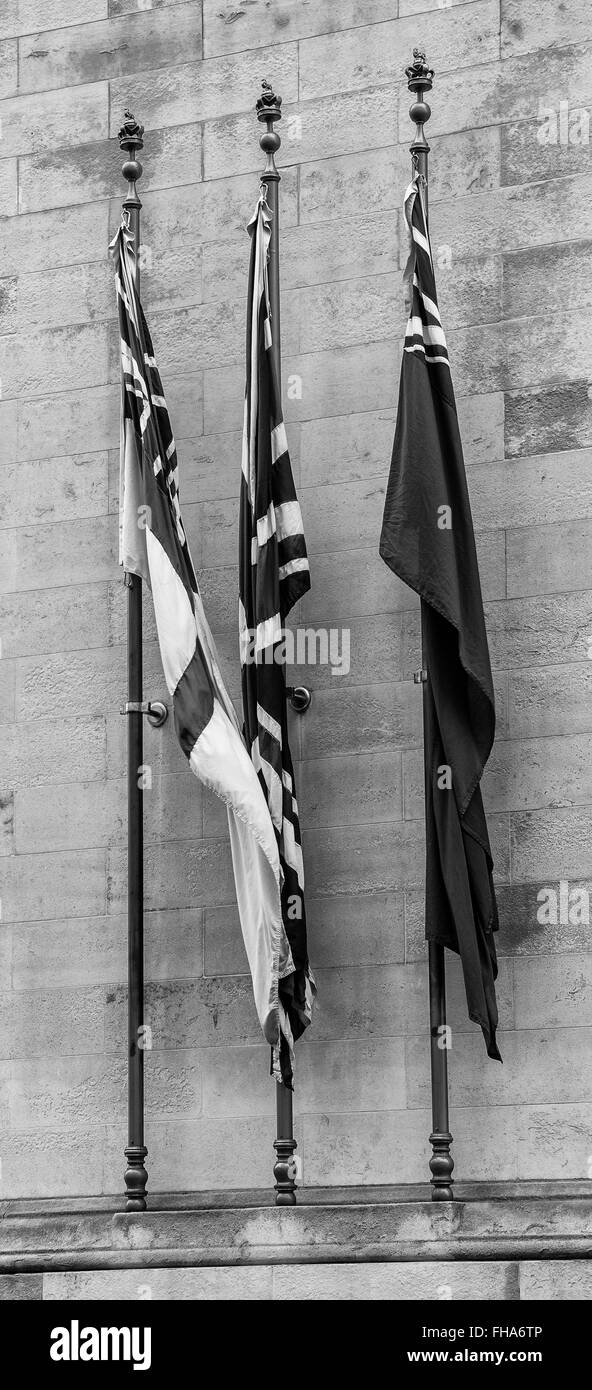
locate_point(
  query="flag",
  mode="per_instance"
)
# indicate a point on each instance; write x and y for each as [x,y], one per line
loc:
[154,546]
[427,540]
[273,574]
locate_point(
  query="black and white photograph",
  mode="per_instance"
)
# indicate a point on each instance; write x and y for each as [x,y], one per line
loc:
[295,668]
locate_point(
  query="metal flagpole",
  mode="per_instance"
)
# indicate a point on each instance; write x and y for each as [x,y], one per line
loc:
[268,111]
[136,1177]
[419,80]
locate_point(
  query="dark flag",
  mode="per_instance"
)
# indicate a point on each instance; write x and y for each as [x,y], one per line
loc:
[153,545]
[274,574]
[427,540]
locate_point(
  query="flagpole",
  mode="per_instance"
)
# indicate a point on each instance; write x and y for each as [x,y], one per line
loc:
[136,1177]
[269,110]
[419,80]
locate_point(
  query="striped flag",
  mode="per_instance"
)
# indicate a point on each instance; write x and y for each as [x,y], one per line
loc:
[274,574]
[427,539]
[153,545]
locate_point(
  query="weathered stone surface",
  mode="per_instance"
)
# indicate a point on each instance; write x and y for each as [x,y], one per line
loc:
[393,1145]
[521,932]
[521,774]
[364,244]
[558,266]
[334,925]
[208,1283]
[355,861]
[7,691]
[541,631]
[492,94]
[42,953]
[554,1139]
[348,123]
[537,149]
[180,874]
[193,1013]
[7,845]
[465,162]
[548,559]
[57,748]
[315,384]
[51,1023]
[333,791]
[8,187]
[70,816]
[551,845]
[26,16]
[8,67]
[552,998]
[64,553]
[174,1143]
[69,295]
[230,26]
[201,91]
[63,236]
[363,719]
[57,178]
[507,219]
[112,49]
[540,24]
[535,709]
[403,1282]
[523,1080]
[369,56]
[550,1280]
[52,1166]
[54,490]
[541,421]
[41,120]
[497,356]
[198,212]
[45,620]
[41,360]
[71,884]
[21,1286]
[87,683]
[527,492]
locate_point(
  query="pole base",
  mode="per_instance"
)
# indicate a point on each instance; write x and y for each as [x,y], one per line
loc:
[135,1178]
[284,1172]
[441,1167]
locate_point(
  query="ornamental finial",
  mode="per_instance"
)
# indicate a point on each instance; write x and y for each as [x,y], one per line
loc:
[267,101]
[269,109]
[130,140]
[419,80]
[130,135]
[419,74]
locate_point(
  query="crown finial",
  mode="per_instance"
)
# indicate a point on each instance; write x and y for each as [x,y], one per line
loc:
[130,141]
[419,80]
[269,109]
[419,74]
[268,102]
[131,133]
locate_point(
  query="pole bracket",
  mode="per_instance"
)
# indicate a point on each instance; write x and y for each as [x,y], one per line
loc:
[299,697]
[155,710]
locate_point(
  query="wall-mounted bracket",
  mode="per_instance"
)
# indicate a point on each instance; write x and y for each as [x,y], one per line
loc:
[155,710]
[299,697]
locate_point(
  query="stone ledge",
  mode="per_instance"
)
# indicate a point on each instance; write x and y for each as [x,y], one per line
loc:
[353,1225]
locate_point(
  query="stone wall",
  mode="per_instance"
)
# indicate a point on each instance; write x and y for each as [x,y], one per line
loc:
[511,226]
